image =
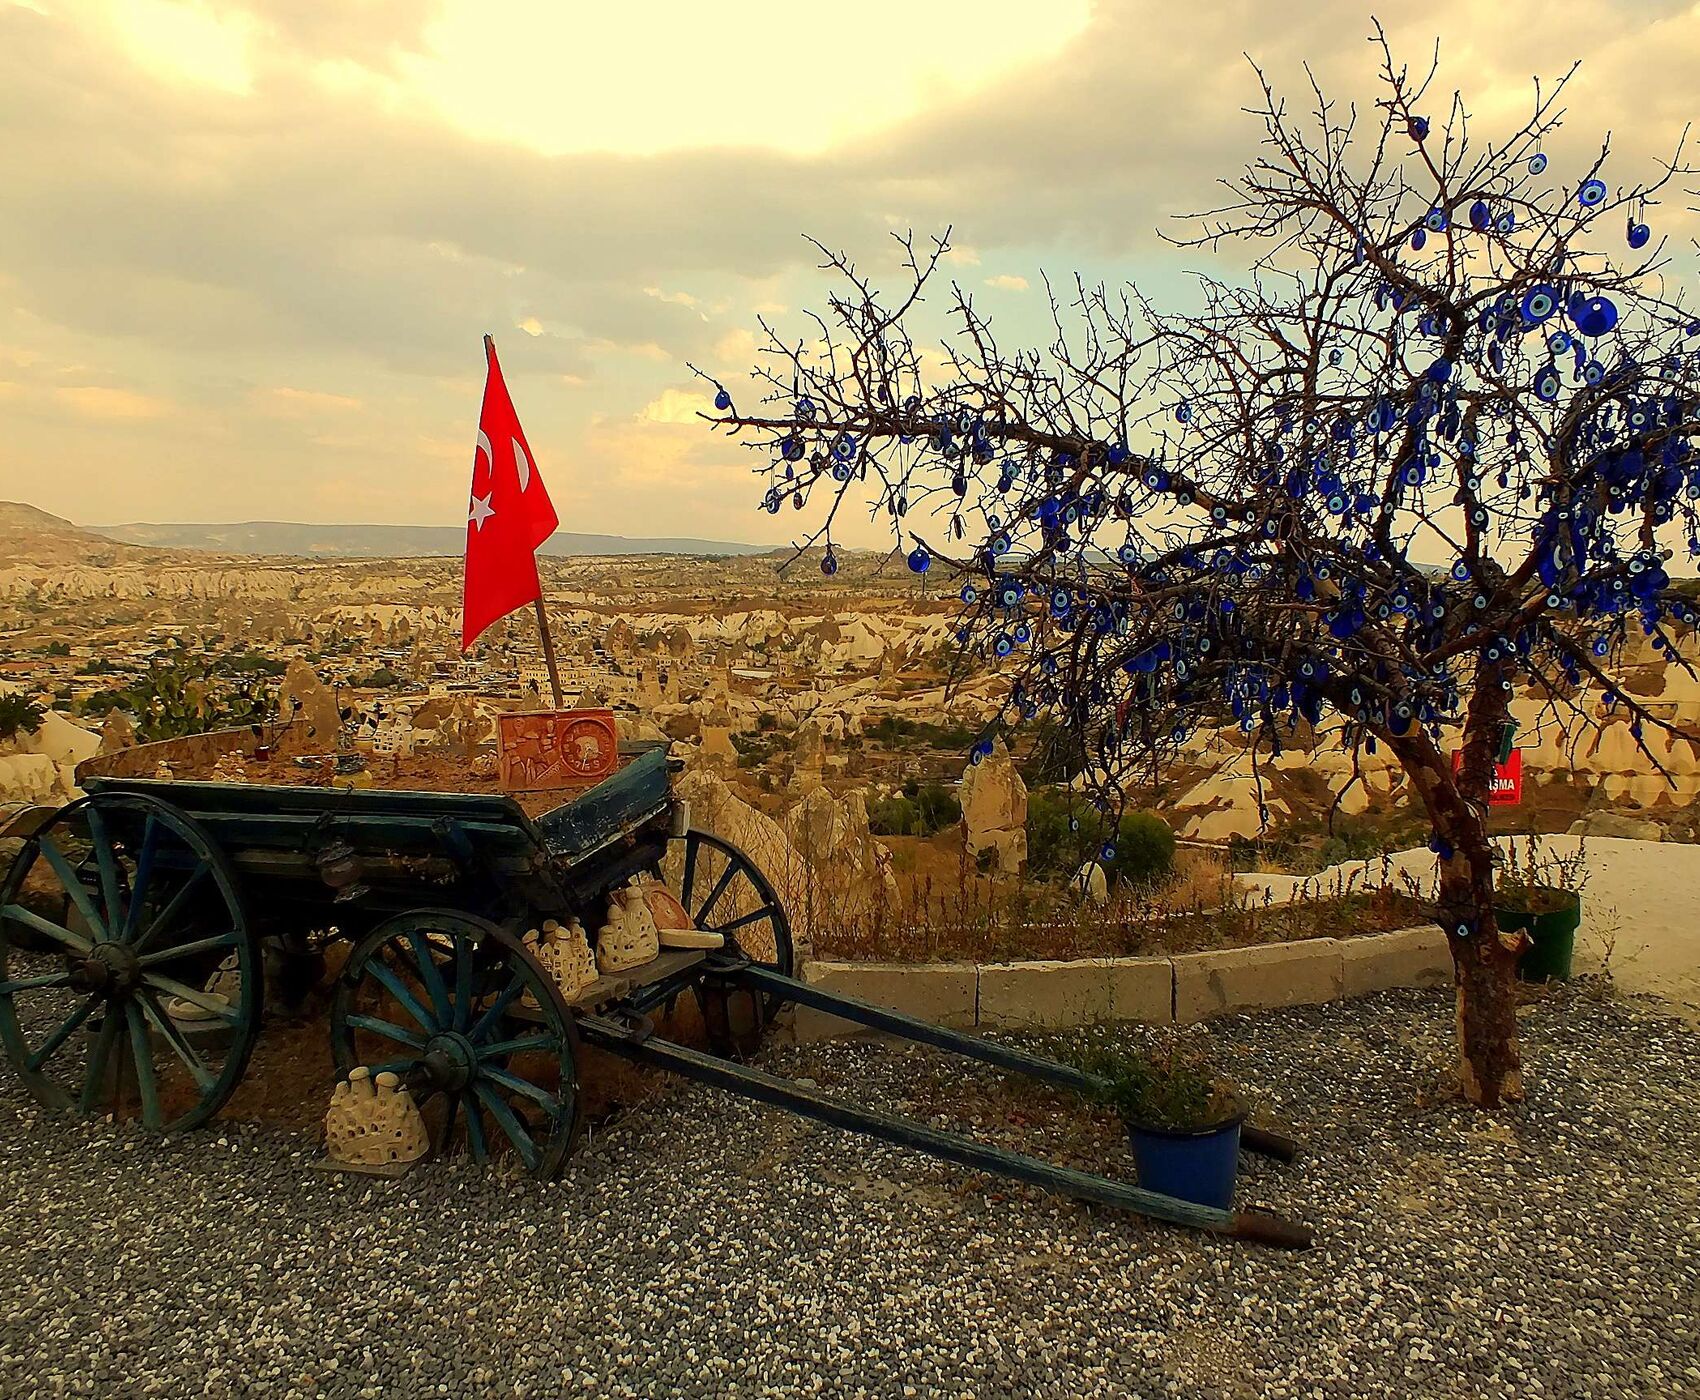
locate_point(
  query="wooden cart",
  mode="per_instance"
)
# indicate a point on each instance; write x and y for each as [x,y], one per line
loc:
[140,924]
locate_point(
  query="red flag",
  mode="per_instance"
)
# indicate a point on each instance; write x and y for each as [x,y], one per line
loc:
[508,516]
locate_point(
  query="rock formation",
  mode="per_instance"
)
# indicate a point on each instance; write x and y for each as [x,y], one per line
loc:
[716,809]
[994,811]
[852,871]
[305,698]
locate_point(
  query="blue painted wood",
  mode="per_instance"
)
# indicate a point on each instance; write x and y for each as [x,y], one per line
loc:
[615,806]
[245,817]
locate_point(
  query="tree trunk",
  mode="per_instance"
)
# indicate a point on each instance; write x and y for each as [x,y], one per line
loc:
[1484,963]
[1490,1067]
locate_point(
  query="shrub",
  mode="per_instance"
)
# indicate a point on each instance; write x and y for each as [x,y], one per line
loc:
[1064,832]
[1145,848]
[893,816]
[1177,1090]
[923,810]
[938,808]
[19,713]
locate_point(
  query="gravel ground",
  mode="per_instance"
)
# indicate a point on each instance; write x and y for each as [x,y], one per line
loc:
[705,1247]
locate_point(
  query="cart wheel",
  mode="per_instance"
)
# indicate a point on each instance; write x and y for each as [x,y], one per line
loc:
[476,1029]
[146,976]
[723,891]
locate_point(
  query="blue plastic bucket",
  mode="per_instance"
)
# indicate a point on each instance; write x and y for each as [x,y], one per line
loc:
[1198,1165]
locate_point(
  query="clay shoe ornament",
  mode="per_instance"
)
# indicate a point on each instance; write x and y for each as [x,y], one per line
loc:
[374,1122]
[672,921]
[629,939]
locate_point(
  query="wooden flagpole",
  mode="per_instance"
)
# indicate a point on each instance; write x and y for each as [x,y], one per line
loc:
[548,647]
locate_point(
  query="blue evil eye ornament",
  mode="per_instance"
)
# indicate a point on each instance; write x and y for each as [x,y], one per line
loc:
[1480,215]
[1547,385]
[920,561]
[1183,412]
[970,594]
[1436,220]
[1638,234]
[723,401]
[1419,128]
[1593,315]
[1539,302]
[829,563]
[1419,239]
[1537,163]
[1592,193]
[1506,223]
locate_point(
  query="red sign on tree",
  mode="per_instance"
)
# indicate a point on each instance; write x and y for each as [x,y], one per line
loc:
[1506,790]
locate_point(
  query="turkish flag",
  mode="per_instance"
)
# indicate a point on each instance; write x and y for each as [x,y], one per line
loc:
[508,517]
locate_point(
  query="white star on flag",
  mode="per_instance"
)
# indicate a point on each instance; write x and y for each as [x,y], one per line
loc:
[481,511]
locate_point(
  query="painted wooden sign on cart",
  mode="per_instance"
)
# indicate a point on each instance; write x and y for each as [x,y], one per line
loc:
[542,749]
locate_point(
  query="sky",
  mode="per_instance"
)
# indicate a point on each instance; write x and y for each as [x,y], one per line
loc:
[249,250]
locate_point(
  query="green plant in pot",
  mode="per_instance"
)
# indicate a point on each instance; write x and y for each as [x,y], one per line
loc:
[1539,893]
[1183,1120]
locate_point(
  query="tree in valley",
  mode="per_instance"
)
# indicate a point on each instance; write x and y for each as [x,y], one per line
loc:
[1427,443]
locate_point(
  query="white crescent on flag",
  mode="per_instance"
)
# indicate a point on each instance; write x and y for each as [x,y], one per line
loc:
[488,451]
[522,464]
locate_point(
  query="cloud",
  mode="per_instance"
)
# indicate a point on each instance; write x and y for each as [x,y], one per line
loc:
[677,406]
[296,203]
[100,401]
[295,402]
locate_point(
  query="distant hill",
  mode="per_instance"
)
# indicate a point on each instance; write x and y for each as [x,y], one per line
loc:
[29,534]
[380,541]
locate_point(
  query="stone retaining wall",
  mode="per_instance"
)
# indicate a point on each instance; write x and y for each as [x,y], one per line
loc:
[1184,988]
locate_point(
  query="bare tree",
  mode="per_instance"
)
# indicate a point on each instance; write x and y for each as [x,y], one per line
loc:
[1429,444]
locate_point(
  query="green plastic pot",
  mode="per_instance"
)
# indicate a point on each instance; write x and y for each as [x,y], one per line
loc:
[1550,917]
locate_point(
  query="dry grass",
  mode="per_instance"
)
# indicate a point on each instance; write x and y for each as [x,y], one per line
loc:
[972,917]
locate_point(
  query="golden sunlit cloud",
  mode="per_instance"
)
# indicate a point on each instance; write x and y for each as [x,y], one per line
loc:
[299,402]
[183,41]
[767,73]
[1008,282]
[98,401]
[676,406]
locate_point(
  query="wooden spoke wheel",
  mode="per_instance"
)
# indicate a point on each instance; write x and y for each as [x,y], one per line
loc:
[724,892]
[130,982]
[459,1009]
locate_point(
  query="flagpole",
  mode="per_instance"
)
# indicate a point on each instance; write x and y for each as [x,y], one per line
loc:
[548,648]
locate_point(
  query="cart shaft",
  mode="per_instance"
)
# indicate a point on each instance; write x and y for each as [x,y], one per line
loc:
[638,1045]
[973,1047]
